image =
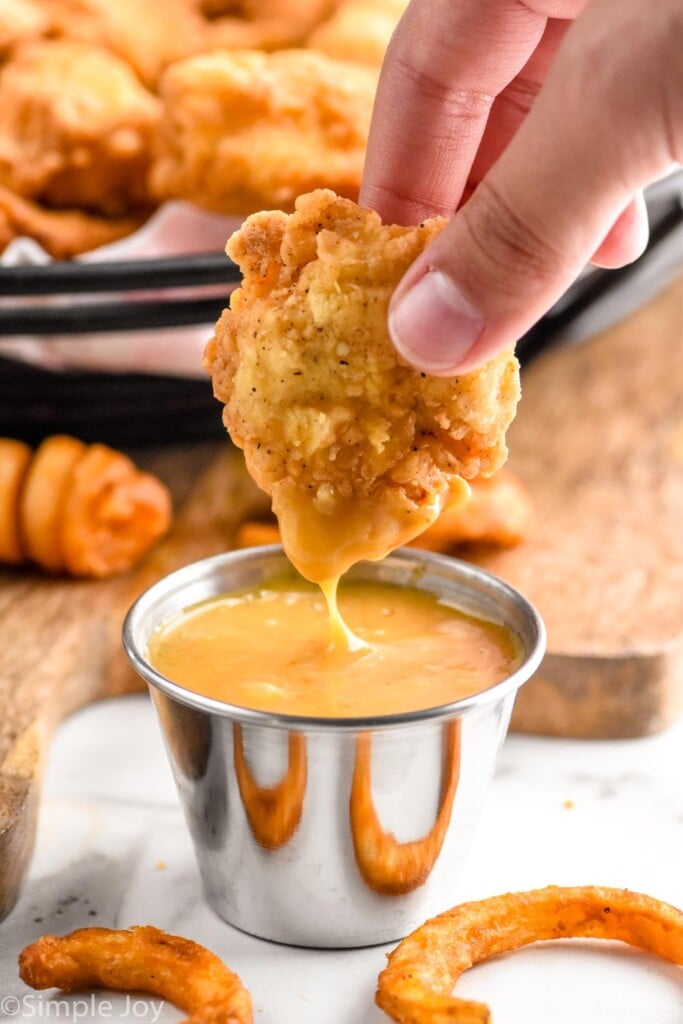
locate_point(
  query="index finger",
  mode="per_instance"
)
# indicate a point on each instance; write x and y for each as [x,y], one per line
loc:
[445,65]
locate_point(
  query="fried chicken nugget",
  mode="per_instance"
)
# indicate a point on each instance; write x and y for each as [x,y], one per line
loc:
[146,34]
[142,959]
[20,20]
[263,24]
[246,130]
[358,31]
[62,233]
[75,128]
[357,449]
[150,35]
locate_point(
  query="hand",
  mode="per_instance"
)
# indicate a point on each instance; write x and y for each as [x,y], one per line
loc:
[540,133]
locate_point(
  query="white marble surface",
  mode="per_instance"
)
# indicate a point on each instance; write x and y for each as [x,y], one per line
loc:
[113,850]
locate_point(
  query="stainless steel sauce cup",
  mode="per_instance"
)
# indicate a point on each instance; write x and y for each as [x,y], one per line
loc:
[332,832]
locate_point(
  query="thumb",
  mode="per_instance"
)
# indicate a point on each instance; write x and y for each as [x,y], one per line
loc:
[552,197]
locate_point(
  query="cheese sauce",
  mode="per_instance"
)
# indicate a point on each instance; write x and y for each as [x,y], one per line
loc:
[270,649]
[322,543]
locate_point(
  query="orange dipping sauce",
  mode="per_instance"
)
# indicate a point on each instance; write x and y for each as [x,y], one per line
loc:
[269,649]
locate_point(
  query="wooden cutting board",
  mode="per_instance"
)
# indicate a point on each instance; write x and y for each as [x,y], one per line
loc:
[599,441]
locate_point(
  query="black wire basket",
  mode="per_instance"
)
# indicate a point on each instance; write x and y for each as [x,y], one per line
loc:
[77,300]
[65,299]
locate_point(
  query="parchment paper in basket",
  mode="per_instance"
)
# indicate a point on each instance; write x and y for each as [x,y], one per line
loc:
[175,229]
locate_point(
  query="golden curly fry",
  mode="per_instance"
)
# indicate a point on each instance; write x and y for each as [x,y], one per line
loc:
[75,128]
[43,498]
[416,985]
[86,510]
[388,866]
[357,449]
[273,812]
[246,130]
[15,457]
[112,513]
[142,959]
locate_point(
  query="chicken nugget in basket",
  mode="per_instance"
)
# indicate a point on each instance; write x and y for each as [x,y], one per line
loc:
[20,21]
[245,130]
[147,34]
[263,24]
[75,128]
[359,30]
[357,449]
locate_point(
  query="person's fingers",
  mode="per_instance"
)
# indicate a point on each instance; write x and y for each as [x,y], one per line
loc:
[444,66]
[608,121]
[627,238]
[514,103]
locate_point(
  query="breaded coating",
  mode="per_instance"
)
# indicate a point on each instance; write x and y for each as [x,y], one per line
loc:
[356,448]
[245,130]
[264,24]
[147,34]
[20,21]
[75,128]
[150,35]
[358,31]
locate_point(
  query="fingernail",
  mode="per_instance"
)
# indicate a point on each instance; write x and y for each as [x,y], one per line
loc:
[432,324]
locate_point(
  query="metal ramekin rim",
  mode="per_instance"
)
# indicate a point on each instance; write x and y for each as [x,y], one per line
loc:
[250,716]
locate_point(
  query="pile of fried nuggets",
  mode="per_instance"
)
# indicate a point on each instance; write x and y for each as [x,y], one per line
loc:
[108,109]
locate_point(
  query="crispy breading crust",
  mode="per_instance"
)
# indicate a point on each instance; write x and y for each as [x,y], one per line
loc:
[20,21]
[75,128]
[141,958]
[315,392]
[358,31]
[416,985]
[245,130]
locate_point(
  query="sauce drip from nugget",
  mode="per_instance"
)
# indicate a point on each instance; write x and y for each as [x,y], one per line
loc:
[357,450]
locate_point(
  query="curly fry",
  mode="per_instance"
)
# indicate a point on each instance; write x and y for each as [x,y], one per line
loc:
[273,812]
[43,499]
[15,457]
[387,866]
[415,986]
[140,959]
[112,513]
